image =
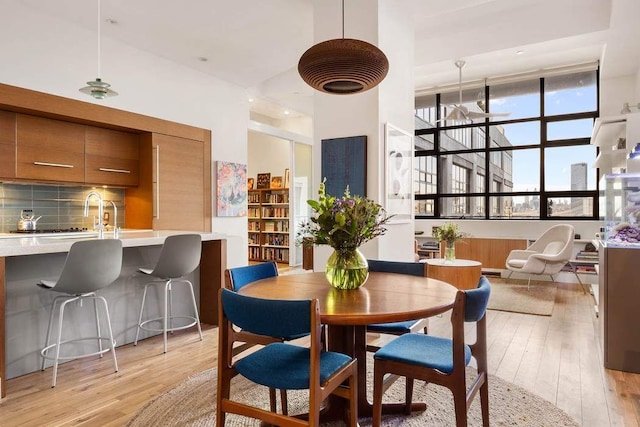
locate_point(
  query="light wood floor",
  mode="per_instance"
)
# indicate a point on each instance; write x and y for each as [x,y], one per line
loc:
[556,357]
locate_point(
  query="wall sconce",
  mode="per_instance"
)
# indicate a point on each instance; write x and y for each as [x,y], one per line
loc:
[626,107]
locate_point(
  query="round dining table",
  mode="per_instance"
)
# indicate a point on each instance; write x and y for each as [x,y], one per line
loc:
[384,298]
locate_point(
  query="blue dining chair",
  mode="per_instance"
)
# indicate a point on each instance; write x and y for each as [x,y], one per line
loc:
[441,361]
[280,365]
[235,279]
[397,328]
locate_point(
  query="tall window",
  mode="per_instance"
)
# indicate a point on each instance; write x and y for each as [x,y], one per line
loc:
[534,153]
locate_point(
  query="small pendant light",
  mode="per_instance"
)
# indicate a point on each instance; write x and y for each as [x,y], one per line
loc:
[97,88]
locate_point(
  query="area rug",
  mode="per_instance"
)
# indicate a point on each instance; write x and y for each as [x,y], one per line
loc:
[513,295]
[192,403]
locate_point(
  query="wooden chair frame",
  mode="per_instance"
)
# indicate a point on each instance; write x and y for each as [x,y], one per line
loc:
[455,381]
[318,392]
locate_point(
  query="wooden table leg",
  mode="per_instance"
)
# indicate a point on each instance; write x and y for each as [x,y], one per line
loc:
[351,340]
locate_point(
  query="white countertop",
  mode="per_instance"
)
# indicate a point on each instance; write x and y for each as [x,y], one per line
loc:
[32,244]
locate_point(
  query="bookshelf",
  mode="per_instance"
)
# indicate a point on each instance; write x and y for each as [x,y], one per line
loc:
[268,228]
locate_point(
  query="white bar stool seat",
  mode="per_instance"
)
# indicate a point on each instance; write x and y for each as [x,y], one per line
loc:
[180,255]
[90,266]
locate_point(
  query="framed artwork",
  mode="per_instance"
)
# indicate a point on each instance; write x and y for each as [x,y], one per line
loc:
[276,182]
[398,173]
[264,180]
[250,183]
[231,189]
[287,178]
[344,162]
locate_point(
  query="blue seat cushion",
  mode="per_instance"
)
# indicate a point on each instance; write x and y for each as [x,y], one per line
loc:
[286,366]
[422,350]
[392,328]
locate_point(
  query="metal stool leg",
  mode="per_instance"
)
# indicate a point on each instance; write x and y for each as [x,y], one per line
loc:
[144,296]
[53,309]
[55,361]
[112,341]
[195,308]
[167,286]
[95,308]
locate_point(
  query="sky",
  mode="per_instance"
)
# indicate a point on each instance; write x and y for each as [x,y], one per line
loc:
[557,160]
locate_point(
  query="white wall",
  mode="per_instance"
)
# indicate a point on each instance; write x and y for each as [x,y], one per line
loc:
[48,55]
[267,154]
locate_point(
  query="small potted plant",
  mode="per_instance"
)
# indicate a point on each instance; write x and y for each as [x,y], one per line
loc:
[449,233]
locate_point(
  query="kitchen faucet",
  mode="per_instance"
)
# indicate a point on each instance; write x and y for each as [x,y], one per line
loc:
[100,226]
[115,219]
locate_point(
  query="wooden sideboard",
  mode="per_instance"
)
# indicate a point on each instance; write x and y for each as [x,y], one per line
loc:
[491,252]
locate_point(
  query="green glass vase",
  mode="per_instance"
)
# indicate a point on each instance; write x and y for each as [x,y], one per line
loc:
[347,269]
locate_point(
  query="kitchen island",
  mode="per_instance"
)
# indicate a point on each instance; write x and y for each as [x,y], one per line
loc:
[24,307]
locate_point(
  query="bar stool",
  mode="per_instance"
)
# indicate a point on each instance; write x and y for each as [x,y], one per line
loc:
[180,255]
[90,265]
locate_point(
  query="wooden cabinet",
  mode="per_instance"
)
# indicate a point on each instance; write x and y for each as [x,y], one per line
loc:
[492,253]
[111,157]
[618,308]
[7,144]
[174,191]
[269,236]
[49,150]
[178,170]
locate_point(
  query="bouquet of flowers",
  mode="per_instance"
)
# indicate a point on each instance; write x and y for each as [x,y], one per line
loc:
[344,223]
[448,232]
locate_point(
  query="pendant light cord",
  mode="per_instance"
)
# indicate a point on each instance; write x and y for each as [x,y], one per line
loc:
[342,18]
[99,44]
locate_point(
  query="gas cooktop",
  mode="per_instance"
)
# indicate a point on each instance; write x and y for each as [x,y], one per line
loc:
[55,230]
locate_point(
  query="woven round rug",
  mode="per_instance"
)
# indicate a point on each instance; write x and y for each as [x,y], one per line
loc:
[193,403]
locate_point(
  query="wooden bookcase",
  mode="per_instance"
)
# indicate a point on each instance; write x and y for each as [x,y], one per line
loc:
[268,228]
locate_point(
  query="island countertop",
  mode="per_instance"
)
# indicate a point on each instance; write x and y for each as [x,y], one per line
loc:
[32,244]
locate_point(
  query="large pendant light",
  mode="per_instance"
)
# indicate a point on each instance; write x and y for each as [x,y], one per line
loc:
[97,88]
[343,66]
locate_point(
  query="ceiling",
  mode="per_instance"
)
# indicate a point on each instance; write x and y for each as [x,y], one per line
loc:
[257,44]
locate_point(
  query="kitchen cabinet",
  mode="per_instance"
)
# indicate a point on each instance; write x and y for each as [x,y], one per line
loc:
[111,157]
[7,144]
[49,150]
[174,188]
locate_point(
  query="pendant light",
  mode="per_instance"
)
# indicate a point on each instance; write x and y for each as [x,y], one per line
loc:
[97,88]
[343,66]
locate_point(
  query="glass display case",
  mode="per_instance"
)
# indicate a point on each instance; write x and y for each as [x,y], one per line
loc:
[620,205]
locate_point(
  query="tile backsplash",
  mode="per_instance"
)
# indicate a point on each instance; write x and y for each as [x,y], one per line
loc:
[61,207]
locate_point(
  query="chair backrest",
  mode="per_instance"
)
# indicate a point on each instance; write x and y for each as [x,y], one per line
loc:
[557,239]
[180,255]
[238,277]
[90,265]
[412,268]
[477,300]
[270,317]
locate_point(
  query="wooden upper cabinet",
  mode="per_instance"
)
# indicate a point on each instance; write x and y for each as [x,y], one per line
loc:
[7,144]
[111,157]
[49,150]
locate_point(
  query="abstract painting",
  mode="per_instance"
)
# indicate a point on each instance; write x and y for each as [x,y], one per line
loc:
[232,189]
[344,163]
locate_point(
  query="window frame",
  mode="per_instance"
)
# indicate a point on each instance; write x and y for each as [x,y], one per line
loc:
[489,152]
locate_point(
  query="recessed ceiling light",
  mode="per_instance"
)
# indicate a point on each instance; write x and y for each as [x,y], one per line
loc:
[250,99]
[202,59]
[111,21]
[286,112]
[519,52]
